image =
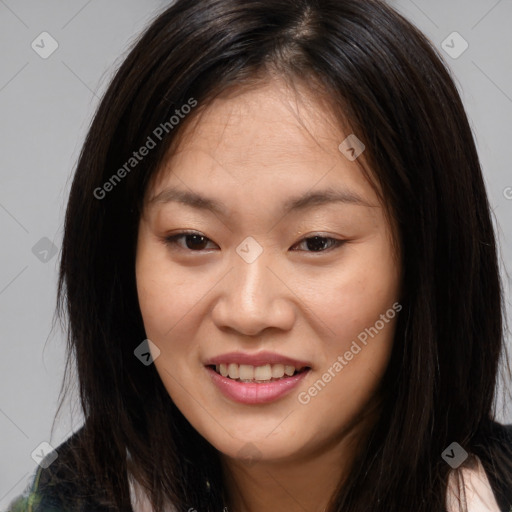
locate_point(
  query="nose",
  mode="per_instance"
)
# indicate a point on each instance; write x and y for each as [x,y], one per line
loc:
[254,297]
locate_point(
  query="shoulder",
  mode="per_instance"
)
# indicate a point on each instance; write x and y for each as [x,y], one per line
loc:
[55,485]
[470,487]
[494,451]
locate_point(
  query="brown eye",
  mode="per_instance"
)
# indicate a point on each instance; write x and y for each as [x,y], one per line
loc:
[196,242]
[320,243]
[193,241]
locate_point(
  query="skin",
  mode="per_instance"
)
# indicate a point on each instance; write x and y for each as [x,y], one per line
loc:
[252,151]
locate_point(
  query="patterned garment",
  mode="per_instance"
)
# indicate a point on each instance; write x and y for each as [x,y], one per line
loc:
[46,498]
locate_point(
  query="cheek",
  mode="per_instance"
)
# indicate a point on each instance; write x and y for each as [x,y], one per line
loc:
[165,294]
[350,298]
[166,301]
[361,308]
[357,305]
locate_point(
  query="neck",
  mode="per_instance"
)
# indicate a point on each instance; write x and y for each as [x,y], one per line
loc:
[305,482]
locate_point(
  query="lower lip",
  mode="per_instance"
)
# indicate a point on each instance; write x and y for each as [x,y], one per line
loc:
[254,393]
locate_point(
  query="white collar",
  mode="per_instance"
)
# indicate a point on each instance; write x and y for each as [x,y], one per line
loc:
[478,495]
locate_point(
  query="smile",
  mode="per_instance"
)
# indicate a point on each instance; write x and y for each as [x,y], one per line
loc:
[258,374]
[256,378]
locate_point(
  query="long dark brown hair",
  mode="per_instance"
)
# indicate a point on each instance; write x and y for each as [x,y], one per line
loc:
[383,78]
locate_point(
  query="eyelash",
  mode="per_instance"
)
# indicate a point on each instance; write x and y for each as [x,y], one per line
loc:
[173,241]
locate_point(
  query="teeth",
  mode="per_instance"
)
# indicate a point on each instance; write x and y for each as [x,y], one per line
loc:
[289,370]
[247,372]
[263,372]
[277,371]
[233,371]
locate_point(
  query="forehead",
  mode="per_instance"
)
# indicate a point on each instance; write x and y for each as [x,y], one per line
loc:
[271,119]
[266,141]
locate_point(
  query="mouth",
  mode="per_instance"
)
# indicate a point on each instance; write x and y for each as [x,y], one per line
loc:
[257,374]
[256,385]
[258,378]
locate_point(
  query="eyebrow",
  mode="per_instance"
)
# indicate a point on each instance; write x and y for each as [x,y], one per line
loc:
[294,204]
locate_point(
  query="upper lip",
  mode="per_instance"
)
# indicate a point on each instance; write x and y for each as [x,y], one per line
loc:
[259,359]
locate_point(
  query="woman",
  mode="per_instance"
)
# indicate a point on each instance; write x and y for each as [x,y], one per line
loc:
[280,274]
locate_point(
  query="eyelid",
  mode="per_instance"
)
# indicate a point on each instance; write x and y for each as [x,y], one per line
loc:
[172,239]
[336,242]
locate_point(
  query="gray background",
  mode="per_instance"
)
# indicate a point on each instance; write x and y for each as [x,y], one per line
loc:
[46,106]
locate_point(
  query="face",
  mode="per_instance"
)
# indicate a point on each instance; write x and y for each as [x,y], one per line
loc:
[264,254]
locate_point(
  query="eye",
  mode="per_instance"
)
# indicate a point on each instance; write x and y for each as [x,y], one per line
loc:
[320,243]
[197,242]
[193,241]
